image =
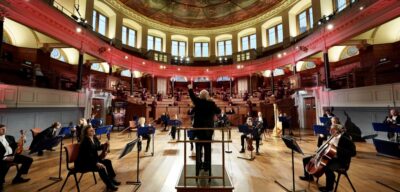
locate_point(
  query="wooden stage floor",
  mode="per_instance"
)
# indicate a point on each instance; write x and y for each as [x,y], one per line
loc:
[161,172]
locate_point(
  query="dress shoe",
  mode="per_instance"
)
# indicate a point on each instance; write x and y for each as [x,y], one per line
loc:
[115,182]
[19,180]
[258,153]
[40,153]
[305,178]
[324,189]
[241,151]
[112,188]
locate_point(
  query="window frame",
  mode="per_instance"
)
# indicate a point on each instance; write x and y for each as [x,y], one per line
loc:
[96,21]
[348,3]
[275,27]
[225,48]
[127,36]
[308,20]
[248,41]
[154,43]
[201,49]
[178,48]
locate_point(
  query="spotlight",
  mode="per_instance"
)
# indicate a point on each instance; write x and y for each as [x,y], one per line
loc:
[179,69]
[78,30]
[329,27]
[361,8]
[187,59]
[279,55]
[126,56]
[143,63]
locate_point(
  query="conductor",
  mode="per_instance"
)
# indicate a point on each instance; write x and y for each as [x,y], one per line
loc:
[204,111]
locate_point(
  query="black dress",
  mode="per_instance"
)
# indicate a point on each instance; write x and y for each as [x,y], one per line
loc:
[88,158]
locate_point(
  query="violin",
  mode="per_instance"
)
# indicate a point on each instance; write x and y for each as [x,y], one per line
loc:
[20,144]
[105,150]
[324,154]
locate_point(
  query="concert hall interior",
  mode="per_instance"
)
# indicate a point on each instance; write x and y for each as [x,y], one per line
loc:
[199,96]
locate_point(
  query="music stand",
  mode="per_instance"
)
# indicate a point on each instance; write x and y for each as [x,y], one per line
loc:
[291,143]
[49,144]
[127,149]
[245,129]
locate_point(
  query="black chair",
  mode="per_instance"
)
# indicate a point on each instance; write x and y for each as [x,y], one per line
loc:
[72,151]
[340,172]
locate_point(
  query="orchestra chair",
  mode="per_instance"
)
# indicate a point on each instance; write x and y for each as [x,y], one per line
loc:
[96,122]
[106,129]
[150,130]
[343,171]
[35,131]
[132,128]
[71,154]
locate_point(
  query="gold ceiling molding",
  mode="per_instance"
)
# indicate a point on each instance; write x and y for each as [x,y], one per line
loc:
[151,23]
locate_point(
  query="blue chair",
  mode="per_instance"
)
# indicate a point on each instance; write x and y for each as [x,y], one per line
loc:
[96,122]
[65,132]
[106,129]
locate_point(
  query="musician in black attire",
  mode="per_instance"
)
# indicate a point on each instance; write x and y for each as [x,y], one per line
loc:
[251,126]
[43,137]
[191,114]
[7,156]
[345,151]
[204,112]
[393,119]
[222,119]
[88,159]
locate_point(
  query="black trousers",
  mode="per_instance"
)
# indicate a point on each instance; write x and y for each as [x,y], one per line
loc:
[207,156]
[148,137]
[18,159]
[329,169]
[305,162]
[243,137]
[173,132]
[107,174]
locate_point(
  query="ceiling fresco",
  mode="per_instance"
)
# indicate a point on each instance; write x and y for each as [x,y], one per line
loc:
[200,13]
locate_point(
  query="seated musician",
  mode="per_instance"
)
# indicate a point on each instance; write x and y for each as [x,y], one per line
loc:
[345,151]
[43,137]
[222,119]
[89,160]
[79,128]
[8,155]
[164,120]
[147,136]
[173,127]
[255,135]
[321,138]
[230,110]
[392,119]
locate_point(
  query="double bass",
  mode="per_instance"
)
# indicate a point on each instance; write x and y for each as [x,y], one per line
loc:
[324,154]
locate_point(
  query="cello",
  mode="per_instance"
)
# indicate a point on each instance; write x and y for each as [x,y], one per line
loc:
[20,144]
[322,157]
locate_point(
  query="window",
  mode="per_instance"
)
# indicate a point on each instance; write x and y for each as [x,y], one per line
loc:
[275,34]
[178,48]
[201,49]
[249,42]
[97,67]
[224,48]
[126,73]
[56,54]
[128,36]
[342,4]
[305,20]
[100,23]
[154,43]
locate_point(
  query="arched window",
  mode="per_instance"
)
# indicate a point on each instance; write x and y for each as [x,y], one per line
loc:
[56,54]
[201,79]
[223,78]
[97,67]
[126,73]
[179,79]
[278,72]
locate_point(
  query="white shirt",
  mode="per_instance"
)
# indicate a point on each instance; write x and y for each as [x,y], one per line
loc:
[335,140]
[4,141]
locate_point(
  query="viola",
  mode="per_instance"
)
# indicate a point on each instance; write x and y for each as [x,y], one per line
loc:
[20,144]
[105,150]
[250,144]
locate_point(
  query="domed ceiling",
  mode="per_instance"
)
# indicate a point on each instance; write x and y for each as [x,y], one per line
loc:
[200,13]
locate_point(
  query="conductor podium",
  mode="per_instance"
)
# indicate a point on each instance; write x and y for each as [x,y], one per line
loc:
[216,178]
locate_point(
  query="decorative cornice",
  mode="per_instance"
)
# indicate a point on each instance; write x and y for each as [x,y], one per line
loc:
[151,23]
